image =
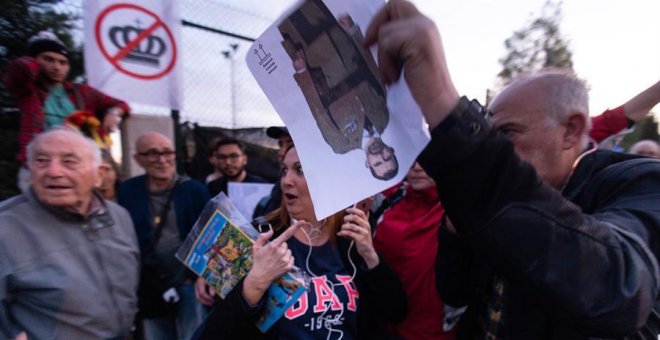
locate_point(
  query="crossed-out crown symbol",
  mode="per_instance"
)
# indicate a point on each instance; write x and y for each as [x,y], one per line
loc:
[147,52]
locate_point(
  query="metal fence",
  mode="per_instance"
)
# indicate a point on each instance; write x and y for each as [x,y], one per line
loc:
[220,95]
[218,89]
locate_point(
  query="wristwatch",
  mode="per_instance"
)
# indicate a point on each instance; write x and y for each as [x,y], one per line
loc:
[464,105]
[474,109]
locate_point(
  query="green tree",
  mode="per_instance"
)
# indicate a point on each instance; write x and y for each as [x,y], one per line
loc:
[646,128]
[21,19]
[537,45]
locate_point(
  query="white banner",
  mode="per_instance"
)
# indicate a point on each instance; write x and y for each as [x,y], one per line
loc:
[132,50]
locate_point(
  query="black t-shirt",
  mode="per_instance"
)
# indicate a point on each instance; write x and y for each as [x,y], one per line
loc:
[328,310]
[169,241]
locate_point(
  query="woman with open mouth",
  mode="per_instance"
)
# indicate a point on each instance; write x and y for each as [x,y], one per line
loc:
[349,291]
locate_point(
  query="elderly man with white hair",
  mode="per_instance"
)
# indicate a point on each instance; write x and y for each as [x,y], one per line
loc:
[69,260]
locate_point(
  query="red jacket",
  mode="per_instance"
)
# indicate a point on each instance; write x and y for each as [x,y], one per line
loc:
[407,237]
[22,81]
[608,123]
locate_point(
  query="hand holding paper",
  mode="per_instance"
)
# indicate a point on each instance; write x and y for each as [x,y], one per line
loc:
[348,127]
[409,41]
[356,226]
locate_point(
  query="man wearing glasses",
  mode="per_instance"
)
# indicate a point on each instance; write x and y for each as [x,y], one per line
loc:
[230,161]
[164,206]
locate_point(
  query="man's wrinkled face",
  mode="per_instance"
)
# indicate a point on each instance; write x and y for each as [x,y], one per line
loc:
[380,158]
[519,113]
[156,155]
[62,171]
[54,66]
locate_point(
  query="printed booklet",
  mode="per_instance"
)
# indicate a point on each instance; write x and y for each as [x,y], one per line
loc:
[219,249]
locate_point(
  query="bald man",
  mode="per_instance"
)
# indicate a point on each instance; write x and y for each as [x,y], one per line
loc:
[646,147]
[164,207]
[551,238]
[68,259]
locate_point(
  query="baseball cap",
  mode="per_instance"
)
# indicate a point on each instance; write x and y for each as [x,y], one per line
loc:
[277,131]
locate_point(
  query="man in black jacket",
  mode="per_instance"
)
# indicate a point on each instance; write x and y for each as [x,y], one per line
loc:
[550,239]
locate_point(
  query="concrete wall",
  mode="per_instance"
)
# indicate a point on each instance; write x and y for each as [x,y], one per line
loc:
[133,128]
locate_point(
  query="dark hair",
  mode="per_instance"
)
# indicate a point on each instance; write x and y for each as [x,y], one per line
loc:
[291,146]
[212,145]
[107,158]
[228,141]
[389,174]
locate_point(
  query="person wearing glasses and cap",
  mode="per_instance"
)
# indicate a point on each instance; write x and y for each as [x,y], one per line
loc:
[164,207]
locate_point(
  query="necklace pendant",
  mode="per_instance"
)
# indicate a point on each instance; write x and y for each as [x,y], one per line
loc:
[156,220]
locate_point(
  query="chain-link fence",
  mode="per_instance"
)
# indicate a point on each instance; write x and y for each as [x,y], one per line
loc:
[228,96]
[218,89]
[221,97]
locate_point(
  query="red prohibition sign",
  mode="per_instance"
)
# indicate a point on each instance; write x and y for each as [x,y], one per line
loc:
[114,60]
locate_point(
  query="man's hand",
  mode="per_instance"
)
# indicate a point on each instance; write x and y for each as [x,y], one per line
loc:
[204,293]
[112,119]
[409,41]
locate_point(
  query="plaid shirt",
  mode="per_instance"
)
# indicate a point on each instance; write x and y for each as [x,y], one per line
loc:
[21,80]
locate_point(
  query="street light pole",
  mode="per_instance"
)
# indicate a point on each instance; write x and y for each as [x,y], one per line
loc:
[229,54]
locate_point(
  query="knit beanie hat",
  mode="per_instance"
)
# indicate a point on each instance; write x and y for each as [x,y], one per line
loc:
[46,41]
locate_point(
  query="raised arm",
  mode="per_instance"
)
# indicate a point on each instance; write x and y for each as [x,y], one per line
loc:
[409,42]
[638,106]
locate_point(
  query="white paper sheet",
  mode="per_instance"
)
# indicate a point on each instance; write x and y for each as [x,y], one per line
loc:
[245,196]
[325,82]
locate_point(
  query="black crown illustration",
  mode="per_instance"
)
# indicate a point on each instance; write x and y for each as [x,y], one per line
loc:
[147,52]
[261,54]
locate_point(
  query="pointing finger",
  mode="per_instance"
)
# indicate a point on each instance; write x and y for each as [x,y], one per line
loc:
[286,234]
[263,238]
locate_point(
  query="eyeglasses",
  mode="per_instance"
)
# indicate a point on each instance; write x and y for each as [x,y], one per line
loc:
[231,157]
[154,155]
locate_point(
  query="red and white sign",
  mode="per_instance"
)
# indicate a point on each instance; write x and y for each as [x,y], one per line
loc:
[132,50]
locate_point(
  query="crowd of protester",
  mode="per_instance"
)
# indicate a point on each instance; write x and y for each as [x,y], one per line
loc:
[514,223]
